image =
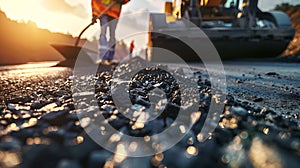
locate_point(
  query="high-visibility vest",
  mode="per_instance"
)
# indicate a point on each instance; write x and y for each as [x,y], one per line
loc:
[99,5]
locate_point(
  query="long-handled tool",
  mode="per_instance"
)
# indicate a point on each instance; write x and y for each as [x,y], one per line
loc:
[70,53]
[92,23]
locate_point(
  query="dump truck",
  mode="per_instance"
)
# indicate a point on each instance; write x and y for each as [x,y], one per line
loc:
[236,28]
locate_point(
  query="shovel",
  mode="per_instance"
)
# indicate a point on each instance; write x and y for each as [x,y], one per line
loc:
[70,53]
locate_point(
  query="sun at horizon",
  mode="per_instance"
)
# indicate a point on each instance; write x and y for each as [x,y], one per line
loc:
[59,20]
[34,11]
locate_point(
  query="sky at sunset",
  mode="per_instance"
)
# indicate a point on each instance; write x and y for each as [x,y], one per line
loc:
[71,16]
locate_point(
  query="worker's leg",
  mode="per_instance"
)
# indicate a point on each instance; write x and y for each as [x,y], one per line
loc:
[112,37]
[104,47]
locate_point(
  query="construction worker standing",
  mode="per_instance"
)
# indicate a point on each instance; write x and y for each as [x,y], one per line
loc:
[131,48]
[107,21]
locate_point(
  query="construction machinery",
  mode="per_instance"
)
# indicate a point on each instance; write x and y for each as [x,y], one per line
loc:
[231,29]
[236,28]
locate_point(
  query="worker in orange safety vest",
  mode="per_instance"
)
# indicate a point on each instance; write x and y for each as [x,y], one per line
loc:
[107,21]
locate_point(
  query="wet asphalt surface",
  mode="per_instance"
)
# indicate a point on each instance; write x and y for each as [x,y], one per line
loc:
[258,127]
